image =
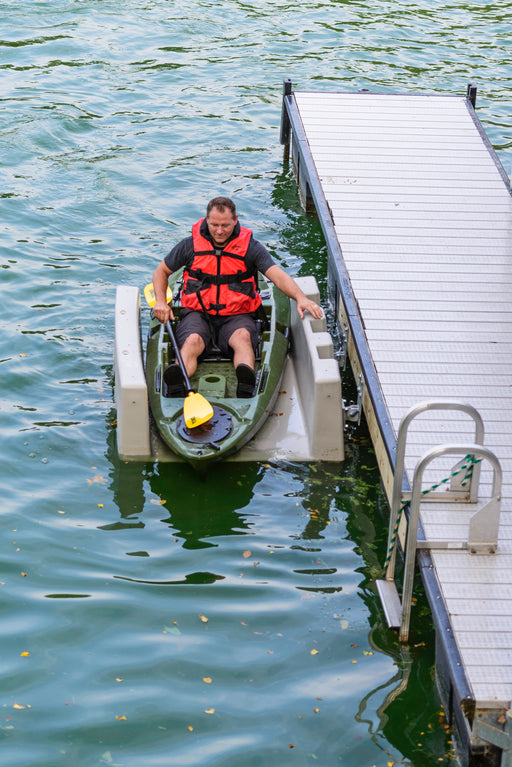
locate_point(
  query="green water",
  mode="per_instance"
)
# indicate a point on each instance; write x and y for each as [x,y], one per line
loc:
[118,121]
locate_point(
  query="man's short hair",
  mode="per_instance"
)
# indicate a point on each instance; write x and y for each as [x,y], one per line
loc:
[221,203]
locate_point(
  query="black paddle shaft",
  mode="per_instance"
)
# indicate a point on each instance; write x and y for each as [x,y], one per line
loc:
[188,385]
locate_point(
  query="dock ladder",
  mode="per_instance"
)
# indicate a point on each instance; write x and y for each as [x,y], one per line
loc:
[464,483]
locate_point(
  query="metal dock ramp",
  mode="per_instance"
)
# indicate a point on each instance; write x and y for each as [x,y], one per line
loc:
[416,210]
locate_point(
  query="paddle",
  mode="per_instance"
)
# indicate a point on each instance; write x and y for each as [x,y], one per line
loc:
[149,294]
[196,408]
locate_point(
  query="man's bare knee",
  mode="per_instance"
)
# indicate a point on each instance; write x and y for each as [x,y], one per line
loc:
[240,336]
[193,342]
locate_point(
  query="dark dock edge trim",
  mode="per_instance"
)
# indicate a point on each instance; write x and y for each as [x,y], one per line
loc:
[462,694]
[471,107]
[459,699]
[337,265]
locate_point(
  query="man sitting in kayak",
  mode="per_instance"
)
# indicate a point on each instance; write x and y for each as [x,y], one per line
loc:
[220,294]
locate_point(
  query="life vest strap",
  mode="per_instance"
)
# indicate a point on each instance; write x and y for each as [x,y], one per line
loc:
[219,279]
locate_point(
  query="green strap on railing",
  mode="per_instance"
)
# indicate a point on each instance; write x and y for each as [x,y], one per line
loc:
[467,466]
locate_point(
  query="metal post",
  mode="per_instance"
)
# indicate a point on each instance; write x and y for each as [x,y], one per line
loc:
[285,119]
[471,94]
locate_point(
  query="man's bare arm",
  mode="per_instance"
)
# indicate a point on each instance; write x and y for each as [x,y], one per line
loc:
[289,287]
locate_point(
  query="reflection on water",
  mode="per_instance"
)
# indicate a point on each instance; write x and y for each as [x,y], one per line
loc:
[196,509]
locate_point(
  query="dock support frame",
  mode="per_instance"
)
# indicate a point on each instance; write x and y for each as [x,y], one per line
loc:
[498,736]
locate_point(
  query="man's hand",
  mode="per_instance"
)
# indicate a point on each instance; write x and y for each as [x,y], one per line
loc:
[161,309]
[290,288]
[305,304]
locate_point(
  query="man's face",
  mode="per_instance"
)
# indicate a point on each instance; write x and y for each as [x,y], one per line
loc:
[220,225]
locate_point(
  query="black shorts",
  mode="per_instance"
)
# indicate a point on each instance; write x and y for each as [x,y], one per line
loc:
[222,327]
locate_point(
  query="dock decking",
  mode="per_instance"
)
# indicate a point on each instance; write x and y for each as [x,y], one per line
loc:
[417,214]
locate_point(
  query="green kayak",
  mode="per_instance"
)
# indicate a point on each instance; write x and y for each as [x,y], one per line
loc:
[235,421]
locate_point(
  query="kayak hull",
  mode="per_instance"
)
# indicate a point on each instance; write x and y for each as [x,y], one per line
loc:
[235,420]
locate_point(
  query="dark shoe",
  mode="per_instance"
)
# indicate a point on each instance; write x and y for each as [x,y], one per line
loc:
[246,381]
[173,379]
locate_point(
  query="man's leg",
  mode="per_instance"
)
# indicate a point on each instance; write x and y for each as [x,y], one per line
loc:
[193,336]
[243,352]
[241,335]
[190,351]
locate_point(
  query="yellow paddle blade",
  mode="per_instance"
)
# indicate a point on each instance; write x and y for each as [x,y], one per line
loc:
[149,295]
[196,410]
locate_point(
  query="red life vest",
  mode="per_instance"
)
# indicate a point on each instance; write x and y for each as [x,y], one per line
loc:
[218,282]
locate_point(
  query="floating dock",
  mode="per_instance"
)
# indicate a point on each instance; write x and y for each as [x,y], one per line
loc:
[416,210]
[306,423]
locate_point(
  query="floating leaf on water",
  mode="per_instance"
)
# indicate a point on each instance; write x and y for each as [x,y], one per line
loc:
[97,479]
[18,706]
[203,618]
[313,652]
[209,711]
[190,728]
[120,717]
[25,654]
[107,759]
[172,630]
[207,679]
[157,501]
[247,554]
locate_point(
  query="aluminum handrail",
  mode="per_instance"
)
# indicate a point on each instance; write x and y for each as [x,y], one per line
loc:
[396,499]
[492,508]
